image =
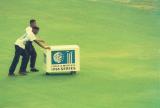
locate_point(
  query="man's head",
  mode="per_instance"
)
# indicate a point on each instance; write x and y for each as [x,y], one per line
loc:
[33,23]
[35,30]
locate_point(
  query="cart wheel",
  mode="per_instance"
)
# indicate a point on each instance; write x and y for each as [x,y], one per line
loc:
[73,72]
[47,73]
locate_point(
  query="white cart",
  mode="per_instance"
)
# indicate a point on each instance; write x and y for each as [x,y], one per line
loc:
[62,59]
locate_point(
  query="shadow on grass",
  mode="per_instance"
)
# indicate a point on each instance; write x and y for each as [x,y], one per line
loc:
[61,74]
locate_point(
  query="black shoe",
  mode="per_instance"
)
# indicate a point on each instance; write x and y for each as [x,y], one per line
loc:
[34,70]
[11,75]
[22,73]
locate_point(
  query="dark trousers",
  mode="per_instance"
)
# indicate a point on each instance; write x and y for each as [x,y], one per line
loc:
[19,52]
[32,55]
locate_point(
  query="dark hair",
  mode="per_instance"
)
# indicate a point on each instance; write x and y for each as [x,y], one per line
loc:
[37,28]
[32,21]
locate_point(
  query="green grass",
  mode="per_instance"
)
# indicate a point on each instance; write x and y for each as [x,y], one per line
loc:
[120,54]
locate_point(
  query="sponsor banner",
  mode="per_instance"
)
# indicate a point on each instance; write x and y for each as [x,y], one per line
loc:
[63,60]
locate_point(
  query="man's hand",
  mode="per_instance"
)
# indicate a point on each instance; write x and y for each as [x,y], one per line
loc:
[47,47]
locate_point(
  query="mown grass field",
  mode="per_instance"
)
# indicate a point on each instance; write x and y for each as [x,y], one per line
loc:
[120,54]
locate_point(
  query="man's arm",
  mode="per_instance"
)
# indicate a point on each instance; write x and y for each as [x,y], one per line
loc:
[40,40]
[42,45]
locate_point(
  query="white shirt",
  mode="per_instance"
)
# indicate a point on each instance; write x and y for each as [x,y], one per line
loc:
[28,36]
[29,29]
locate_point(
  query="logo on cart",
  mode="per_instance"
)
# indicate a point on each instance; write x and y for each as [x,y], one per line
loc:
[63,57]
[58,57]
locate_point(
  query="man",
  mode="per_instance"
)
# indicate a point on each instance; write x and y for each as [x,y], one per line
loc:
[21,51]
[30,48]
